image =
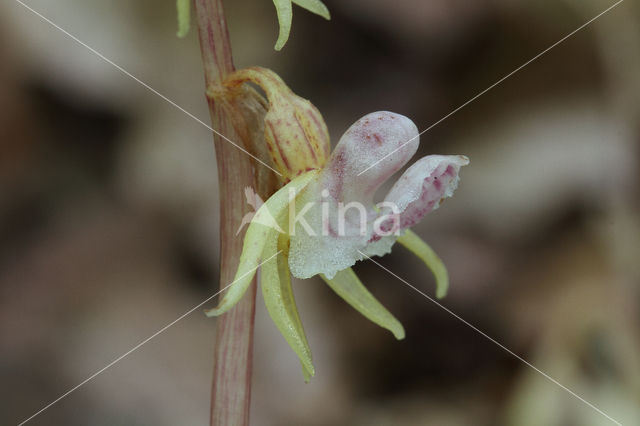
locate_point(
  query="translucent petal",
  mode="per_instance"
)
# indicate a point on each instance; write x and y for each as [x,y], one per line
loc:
[285,15]
[255,239]
[418,247]
[280,303]
[334,241]
[348,286]
[380,247]
[329,244]
[184,17]
[383,138]
[424,185]
[314,6]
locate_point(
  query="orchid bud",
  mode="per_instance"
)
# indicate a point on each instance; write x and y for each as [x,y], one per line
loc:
[296,134]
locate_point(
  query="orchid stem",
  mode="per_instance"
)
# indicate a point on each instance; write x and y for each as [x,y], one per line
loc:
[231,388]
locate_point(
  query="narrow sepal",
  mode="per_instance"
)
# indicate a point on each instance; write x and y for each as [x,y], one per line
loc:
[314,6]
[285,16]
[255,240]
[280,302]
[348,286]
[417,246]
[183,8]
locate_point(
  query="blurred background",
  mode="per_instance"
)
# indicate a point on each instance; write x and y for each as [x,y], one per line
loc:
[109,215]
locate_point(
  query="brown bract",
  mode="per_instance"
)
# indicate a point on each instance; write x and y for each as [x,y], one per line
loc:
[296,135]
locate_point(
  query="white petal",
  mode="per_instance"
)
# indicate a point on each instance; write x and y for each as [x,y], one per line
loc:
[424,185]
[380,247]
[323,243]
[330,244]
[384,140]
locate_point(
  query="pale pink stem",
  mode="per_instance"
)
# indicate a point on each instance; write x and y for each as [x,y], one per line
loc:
[231,389]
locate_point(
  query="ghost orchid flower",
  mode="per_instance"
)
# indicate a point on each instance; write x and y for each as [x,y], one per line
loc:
[323,220]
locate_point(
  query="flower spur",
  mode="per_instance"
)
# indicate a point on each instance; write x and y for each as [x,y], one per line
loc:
[326,207]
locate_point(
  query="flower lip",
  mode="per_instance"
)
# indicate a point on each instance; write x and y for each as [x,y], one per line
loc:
[424,185]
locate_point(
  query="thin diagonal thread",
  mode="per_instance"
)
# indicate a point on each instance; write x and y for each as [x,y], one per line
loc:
[500,345]
[572,33]
[139,345]
[142,83]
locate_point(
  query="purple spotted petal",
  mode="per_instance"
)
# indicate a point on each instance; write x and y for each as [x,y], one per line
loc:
[383,138]
[424,185]
[328,241]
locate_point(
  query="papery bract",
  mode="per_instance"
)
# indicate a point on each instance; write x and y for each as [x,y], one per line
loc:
[295,132]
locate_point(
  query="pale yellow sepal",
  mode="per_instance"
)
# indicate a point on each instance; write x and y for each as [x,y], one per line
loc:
[285,16]
[255,240]
[418,247]
[348,286]
[314,6]
[279,300]
[184,17]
